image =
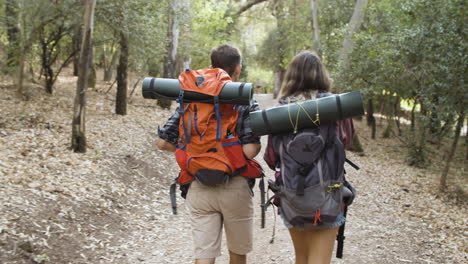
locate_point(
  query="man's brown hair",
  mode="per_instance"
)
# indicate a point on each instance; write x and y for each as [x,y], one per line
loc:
[225,57]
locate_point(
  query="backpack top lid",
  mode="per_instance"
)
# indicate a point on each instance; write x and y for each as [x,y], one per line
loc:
[305,147]
[205,81]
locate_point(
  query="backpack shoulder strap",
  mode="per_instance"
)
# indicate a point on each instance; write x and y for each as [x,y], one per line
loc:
[282,162]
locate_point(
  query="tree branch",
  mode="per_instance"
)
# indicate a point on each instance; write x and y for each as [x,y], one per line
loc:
[247,6]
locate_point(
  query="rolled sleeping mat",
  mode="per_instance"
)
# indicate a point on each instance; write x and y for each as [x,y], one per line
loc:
[282,119]
[162,88]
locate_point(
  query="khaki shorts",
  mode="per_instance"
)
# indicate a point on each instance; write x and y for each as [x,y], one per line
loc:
[212,206]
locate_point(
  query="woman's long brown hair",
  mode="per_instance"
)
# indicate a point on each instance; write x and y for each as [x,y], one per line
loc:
[305,73]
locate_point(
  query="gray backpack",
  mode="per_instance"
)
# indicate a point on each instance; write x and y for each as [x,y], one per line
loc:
[311,180]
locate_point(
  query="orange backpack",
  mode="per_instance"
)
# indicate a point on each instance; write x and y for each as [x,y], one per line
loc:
[208,148]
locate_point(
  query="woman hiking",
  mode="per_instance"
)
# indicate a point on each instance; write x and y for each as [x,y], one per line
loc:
[313,238]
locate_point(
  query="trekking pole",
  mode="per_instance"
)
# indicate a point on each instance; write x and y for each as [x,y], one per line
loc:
[172,194]
[262,200]
[341,237]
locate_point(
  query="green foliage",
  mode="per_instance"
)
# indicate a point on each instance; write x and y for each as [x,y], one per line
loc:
[333,23]
[209,26]
[293,33]
[417,153]
[145,24]
[260,76]
[418,50]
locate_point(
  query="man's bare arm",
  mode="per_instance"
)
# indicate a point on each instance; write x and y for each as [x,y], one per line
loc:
[251,150]
[164,145]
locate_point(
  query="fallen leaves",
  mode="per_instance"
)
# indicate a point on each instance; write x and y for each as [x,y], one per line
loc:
[111,204]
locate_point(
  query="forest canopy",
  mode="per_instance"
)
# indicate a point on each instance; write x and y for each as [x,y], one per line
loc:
[408,57]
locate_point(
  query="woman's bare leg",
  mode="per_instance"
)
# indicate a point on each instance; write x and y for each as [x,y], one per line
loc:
[321,244]
[313,246]
[301,247]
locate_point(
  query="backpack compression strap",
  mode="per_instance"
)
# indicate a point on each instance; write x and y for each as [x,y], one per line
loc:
[218,118]
[180,100]
[338,106]
[267,123]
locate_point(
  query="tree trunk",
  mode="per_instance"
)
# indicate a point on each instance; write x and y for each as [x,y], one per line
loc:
[280,71]
[121,99]
[396,111]
[92,71]
[370,116]
[466,142]
[92,77]
[20,77]
[443,178]
[46,65]
[389,129]
[348,43]
[76,39]
[383,106]
[315,25]
[390,117]
[413,112]
[109,69]
[13,31]
[356,145]
[79,109]
[169,70]
[421,138]
[435,124]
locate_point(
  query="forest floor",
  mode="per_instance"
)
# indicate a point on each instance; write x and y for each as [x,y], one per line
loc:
[111,204]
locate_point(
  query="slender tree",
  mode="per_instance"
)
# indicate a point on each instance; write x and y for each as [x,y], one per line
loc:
[76,43]
[13,31]
[315,26]
[79,109]
[121,98]
[170,62]
[50,37]
[281,37]
[348,43]
[109,67]
[451,154]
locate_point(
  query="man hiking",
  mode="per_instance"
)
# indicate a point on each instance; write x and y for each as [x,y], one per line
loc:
[228,202]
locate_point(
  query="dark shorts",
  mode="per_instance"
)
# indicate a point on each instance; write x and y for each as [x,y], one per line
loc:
[340,220]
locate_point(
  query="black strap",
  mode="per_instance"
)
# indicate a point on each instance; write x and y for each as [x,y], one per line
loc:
[152,83]
[261,185]
[241,89]
[352,164]
[302,174]
[267,123]
[338,106]
[340,237]
[300,185]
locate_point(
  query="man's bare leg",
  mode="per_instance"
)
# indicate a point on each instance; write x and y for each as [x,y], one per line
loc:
[237,259]
[205,261]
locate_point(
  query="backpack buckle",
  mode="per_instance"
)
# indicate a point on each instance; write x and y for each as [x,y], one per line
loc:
[333,187]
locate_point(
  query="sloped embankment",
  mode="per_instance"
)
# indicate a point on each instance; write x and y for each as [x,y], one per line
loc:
[63,207]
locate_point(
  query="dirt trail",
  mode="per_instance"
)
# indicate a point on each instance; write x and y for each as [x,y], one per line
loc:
[111,205]
[388,223]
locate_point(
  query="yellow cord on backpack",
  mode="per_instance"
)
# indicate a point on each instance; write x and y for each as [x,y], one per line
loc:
[299,108]
[317,116]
